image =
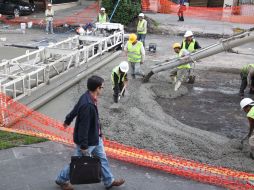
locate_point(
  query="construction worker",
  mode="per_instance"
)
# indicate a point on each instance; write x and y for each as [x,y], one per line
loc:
[102,16]
[247,77]
[189,43]
[178,75]
[49,13]
[181,9]
[142,28]
[135,52]
[247,106]
[119,79]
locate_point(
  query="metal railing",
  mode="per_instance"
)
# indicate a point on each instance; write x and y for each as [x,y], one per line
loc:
[22,75]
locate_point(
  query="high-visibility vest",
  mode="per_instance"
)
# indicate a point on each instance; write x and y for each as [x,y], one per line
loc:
[191,47]
[245,69]
[186,66]
[134,52]
[250,114]
[117,72]
[102,18]
[141,27]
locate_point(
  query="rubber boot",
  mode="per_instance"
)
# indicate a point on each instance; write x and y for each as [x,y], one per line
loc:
[115,98]
[177,85]
[182,19]
[173,79]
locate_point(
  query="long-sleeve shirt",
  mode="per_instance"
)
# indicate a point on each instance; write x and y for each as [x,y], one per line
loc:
[250,75]
[49,14]
[143,53]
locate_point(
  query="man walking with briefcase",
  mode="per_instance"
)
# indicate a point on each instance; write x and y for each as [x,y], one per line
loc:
[87,134]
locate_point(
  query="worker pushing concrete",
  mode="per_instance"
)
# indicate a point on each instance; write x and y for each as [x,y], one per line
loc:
[189,43]
[135,52]
[179,74]
[49,13]
[247,106]
[102,16]
[142,28]
[119,80]
[247,77]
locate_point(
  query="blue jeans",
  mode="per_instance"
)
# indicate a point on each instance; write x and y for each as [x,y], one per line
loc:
[107,177]
[142,38]
[49,25]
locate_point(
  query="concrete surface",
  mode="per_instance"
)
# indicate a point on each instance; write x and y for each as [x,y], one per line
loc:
[141,116]
[168,24]
[35,168]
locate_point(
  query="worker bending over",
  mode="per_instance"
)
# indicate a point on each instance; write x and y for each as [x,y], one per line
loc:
[179,74]
[135,52]
[119,79]
[102,16]
[142,28]
[189,43]
[247,77]
[247,106]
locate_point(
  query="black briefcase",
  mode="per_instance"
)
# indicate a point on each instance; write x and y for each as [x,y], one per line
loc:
[85,170]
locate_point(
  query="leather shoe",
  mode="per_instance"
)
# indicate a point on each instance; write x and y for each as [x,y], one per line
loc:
[117,182]
[64,186]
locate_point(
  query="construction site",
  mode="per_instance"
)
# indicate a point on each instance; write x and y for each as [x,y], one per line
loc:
[156,137]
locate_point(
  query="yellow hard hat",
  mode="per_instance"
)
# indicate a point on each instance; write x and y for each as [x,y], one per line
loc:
[132,38]
[176,45]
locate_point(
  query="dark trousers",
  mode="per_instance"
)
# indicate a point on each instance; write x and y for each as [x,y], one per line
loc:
[244,84]
[180,15]
[142,38]
[117,90]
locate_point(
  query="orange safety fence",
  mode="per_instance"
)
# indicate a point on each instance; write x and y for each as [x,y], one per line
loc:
[241,14]
[18,118]
[82,17]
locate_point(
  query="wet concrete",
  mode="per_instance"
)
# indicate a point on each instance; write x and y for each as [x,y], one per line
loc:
[211,104]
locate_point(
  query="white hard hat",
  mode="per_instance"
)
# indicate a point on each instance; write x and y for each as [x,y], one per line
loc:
[80,30]
[103,9]
[141,14]
[188,33]
[245,102]
[124,66]
[49,5]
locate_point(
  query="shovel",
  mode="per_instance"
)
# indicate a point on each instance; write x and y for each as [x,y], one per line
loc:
[121,94]
[116,106]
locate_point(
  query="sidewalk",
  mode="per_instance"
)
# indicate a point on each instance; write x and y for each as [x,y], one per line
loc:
[204,28]
[80,14]
[35,167]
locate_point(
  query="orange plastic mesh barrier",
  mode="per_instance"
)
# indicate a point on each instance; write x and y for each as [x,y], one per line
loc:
[18,118]
[82,17]
[240,14]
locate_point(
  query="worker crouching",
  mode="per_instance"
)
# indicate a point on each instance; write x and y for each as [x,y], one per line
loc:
[179,74]
[247,77]
[119,80]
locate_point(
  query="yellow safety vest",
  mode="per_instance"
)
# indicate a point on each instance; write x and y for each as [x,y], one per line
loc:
[141,27]
[102,19]
[245,69]
[134,52]
[191,47]
[117,72]
[186,66]
[251,113]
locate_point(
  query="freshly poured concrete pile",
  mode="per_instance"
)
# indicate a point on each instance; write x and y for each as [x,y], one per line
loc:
[141,122]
